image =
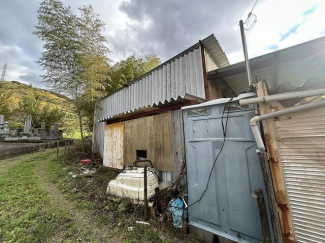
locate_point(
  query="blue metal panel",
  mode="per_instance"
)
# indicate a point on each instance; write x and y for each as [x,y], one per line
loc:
[228,208]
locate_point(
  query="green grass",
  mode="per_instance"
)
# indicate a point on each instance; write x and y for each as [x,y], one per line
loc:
[30,211]
[26,214]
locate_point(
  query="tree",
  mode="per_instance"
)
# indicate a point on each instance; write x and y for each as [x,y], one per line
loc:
[5,105]
[32,106]
[46,113]
[94,61]
[94,51]
[125,71]
[61,60]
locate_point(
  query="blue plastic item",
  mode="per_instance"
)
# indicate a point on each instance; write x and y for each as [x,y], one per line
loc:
[176,209]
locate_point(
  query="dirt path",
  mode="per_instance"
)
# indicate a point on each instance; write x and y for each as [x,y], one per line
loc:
[83,220]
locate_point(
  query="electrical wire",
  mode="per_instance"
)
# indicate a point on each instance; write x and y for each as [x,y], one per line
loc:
[249,15]
[224,131]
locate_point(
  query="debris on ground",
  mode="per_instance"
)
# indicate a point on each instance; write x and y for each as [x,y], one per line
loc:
[142,222]
[177,211]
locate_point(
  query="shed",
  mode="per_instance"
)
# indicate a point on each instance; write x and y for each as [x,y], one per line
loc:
[144,118]
[292,66]
[294,142]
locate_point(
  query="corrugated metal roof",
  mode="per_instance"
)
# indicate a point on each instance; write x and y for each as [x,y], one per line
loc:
[173,80]
[296,64]
[213,47]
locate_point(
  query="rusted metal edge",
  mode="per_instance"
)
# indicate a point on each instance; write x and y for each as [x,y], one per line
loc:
[281,194]
[269,189]
[205,75]
[153,112]
[263,215]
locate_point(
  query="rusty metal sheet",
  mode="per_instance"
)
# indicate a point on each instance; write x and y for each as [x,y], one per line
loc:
[114,145]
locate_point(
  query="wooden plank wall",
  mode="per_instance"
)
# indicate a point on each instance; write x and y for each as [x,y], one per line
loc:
[153,134]
[113,145]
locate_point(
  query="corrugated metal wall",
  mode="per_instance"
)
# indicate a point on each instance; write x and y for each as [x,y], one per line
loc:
[175,79]
[181,76]
[301,146]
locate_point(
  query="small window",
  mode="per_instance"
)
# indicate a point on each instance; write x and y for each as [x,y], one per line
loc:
[141,154]
[200,111]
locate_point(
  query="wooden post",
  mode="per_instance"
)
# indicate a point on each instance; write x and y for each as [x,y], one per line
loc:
[263,215]
[145,207]
[65,150]
[275,163]
[275,220]
[57,150]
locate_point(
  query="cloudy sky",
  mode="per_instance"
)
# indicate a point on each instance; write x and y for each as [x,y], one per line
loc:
[164,27]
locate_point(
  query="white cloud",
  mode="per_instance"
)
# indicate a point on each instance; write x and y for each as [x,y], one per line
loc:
[276,18]
[166,28]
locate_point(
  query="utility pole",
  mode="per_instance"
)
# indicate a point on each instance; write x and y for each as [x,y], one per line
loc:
[4,70]
[243,38]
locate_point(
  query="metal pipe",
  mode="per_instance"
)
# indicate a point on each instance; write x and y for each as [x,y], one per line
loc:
[145,207]
[243,38]
[254,120]
[280,97]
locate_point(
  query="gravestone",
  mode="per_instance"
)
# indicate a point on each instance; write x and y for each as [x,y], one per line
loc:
[28,124]
[56,128]
[42,125]
[1,119]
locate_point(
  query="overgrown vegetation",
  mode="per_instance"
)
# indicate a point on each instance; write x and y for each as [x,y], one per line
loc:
[42,201]
[17,100]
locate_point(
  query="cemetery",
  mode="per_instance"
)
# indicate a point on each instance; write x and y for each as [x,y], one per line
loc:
[19,141]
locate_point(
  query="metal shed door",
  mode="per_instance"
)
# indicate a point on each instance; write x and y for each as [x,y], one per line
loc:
[113,145]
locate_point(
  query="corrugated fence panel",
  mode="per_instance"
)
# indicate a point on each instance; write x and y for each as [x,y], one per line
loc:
[301,141]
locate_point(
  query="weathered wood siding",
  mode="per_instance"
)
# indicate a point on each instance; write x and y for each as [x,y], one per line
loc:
[113,145]
[178,141]
[153,134]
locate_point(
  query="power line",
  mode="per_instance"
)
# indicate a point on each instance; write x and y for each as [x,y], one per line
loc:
[4,71]
[248,16]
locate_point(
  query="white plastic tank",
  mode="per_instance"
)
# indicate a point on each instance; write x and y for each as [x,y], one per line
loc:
[130,184]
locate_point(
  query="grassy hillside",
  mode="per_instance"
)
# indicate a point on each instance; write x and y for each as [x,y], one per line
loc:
[16,91]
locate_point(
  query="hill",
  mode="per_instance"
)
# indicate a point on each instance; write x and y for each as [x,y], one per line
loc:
[14,92]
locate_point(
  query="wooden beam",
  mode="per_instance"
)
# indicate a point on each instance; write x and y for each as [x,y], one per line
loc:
[153,112]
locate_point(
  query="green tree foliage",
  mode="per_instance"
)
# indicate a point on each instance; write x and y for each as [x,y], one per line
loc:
[46,113]
[125,71]
[6,108]
[94,61]
[57,27]
[76,58]
[62,58]
[94,50]
[15,93]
